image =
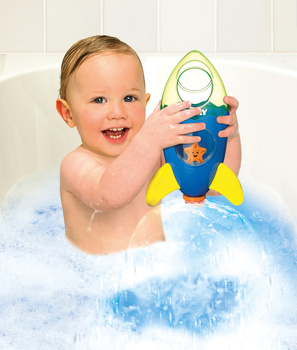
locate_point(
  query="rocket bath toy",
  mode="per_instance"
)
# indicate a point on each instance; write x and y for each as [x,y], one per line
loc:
[196,168]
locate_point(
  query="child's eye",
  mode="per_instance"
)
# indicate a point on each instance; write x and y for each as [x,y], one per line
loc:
[129,99]
[99,100]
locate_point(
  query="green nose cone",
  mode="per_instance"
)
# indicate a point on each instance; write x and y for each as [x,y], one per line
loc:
[194,79]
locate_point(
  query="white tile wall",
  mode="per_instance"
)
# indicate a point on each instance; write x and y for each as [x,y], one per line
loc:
[244,26]
[151,25]
[285,25]
[187,24]
[21,26]
[133,21]
[70,20]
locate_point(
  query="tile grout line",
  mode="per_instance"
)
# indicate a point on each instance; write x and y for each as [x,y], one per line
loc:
[44,27]
[101,17]
[216,26]
[159,29]
[272,27]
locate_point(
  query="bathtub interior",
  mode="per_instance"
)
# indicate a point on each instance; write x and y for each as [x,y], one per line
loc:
[242,292]
[33,137]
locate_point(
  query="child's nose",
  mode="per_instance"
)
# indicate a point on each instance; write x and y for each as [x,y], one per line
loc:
[117,111]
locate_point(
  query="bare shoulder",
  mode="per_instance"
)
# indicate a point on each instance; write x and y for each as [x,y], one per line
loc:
[78,158]
[76,166]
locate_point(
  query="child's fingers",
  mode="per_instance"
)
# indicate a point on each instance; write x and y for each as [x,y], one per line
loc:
[183,115]
[181,111]
[229,119]
[232,102]
[226,132]
[188,139]
[177,107]
[189,128]
[183,133]
[230,131]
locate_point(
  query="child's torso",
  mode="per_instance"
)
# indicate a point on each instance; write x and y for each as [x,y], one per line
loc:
[98,232]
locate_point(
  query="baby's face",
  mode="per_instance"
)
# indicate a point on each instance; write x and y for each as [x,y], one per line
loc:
[107,102]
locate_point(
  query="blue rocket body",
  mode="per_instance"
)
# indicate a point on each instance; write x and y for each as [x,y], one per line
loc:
[195,178]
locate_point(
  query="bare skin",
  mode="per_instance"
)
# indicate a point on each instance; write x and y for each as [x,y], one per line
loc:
[97,228]
[104,181]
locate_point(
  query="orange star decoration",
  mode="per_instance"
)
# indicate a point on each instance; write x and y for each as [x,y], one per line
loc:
[195,153]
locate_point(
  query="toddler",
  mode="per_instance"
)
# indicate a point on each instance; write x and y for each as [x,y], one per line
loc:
[104,180]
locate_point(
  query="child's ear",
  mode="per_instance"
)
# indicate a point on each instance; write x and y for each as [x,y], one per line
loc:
[147,97]
[64,110]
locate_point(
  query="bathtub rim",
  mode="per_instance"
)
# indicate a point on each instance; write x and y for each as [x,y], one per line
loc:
[15,64]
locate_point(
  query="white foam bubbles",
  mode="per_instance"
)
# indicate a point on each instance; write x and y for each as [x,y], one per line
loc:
[219,281]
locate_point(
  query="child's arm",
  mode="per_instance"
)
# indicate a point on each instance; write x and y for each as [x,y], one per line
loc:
[110,185]
[233,150]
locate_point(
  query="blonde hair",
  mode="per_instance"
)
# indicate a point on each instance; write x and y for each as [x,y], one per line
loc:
[86,48]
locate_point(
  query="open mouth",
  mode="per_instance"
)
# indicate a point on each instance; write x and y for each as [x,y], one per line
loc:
[115,134]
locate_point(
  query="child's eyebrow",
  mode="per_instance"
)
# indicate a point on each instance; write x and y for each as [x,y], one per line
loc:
[97,92]
[136,89]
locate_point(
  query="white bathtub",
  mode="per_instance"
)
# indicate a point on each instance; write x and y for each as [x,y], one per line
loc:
[33,136]
[245,297]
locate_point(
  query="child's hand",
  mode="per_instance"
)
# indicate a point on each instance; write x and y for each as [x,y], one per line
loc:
[230,120]
[164,129]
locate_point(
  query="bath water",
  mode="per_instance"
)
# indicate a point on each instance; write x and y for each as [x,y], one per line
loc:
[224,279]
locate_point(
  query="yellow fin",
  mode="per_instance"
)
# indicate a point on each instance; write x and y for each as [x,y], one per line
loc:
[162,183]
[227,183]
